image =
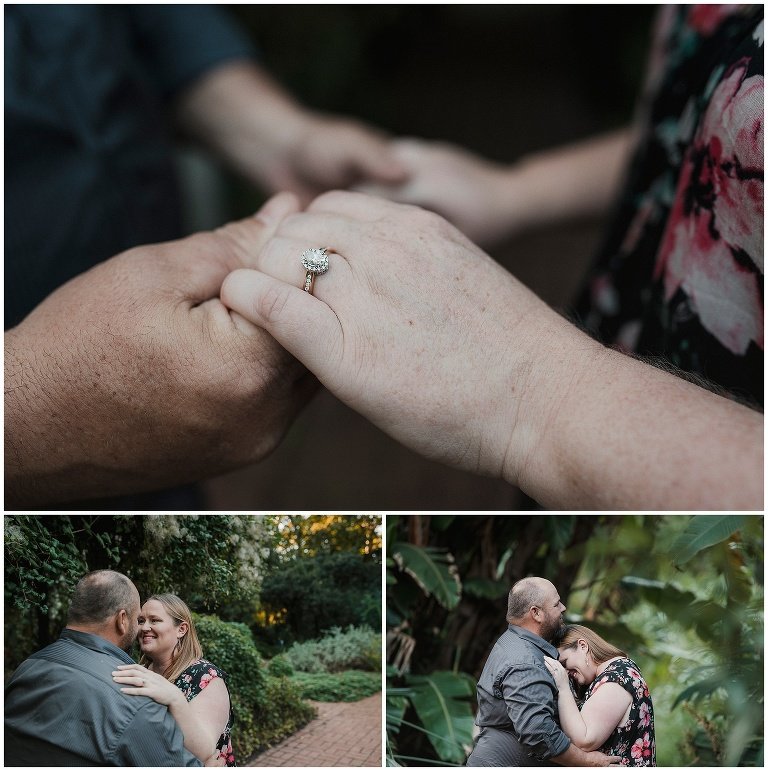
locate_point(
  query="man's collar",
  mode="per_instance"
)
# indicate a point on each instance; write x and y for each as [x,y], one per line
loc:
[546,648]
[95,643]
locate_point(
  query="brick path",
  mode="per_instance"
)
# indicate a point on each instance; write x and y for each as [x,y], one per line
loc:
[342,734]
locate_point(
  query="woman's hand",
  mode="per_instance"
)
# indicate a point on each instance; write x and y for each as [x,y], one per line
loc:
[147,683]
[482,199]
[420,331]
[413,326]
[557,670]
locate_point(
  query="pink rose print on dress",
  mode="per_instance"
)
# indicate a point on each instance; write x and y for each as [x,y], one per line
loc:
[705,19]
[641,749]
[227,754]
[204,680]
[714,237]
[644,716]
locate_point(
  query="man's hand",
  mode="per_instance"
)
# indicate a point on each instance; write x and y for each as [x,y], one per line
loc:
[239,112]
[573,756]
[134,376]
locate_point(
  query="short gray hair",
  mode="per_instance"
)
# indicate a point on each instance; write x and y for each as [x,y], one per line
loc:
[99,595]
[526,593]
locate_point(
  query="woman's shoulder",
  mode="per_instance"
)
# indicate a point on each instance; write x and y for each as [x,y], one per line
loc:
[203,671]
[625,673]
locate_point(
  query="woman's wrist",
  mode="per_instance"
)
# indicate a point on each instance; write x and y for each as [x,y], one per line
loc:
[556,356]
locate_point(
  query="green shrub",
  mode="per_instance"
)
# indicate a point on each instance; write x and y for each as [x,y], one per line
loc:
[265,709]
[351,685]
[337,651]
[316,592]
[283,714]
[279,666]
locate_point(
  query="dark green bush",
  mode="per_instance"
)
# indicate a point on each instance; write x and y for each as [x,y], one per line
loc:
[352,685]
[340,589]
[265,709]
[279,666]
[285,712]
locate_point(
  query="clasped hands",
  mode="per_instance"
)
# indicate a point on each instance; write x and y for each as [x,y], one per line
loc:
[173,362]
[178,361]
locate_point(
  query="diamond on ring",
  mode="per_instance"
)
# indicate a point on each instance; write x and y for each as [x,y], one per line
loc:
[315,260]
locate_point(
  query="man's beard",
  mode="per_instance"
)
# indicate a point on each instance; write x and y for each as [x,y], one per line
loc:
[549,631]
[127,643]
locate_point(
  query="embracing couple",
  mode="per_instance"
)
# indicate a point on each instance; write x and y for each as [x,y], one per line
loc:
[527,712]
[83,701]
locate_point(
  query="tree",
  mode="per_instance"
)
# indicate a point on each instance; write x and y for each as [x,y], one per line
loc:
[207,560]
[314,594]
[309,536]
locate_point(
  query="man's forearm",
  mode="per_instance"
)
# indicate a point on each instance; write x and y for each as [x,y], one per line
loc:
[241,113]
[611,432]
[25,427]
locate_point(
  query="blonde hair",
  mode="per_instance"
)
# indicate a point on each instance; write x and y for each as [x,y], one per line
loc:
[601,650]
[188,649]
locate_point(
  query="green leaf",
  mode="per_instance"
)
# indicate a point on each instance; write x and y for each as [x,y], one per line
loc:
[484,587]
[441,522]
[703,531]
[395,708]
[441,701]
[699,690]
[503,562]
[432,569]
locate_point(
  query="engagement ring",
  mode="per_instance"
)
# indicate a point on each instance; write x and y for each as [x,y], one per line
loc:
[315,261]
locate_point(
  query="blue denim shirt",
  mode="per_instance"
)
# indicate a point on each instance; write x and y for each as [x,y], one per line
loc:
[62,708]
[517,694]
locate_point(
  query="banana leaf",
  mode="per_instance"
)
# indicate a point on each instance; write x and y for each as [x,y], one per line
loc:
[702,532]
[441,701]
[432,569]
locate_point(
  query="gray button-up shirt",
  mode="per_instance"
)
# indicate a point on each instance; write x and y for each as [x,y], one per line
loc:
[517,695]
[62,708]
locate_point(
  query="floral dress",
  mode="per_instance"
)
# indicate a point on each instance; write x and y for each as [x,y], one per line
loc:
[680,273]
[635,741]
[191,681]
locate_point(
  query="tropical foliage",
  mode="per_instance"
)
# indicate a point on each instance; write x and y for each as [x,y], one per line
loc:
[684,594]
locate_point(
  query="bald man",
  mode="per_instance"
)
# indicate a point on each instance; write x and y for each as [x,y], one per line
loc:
[516,695]
[62,707]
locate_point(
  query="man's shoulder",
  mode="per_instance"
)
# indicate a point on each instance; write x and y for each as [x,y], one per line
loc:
[80,674]
[513,650]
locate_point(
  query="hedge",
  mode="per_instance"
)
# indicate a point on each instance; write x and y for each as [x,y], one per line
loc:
[266,708]
[352,685]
